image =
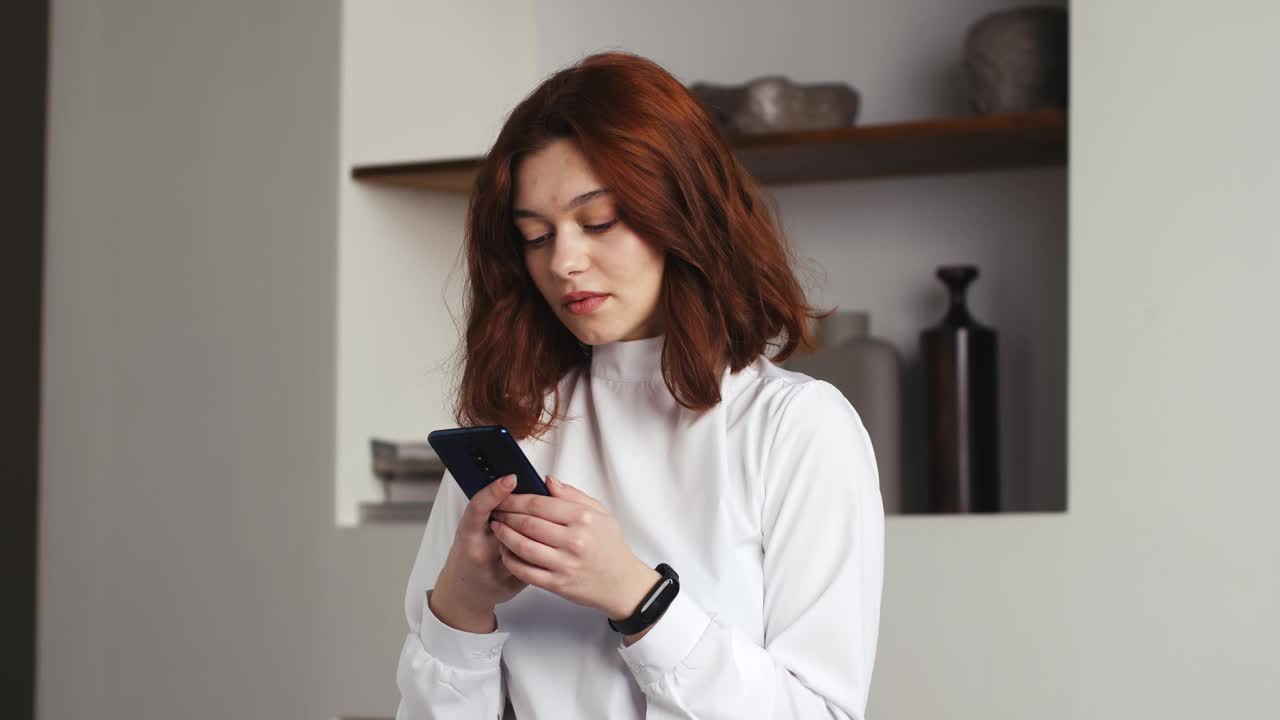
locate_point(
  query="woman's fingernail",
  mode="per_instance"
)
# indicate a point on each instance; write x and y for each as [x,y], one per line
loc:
[509,482]
[552,482]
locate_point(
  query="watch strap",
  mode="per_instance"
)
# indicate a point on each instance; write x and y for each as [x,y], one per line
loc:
[653,605]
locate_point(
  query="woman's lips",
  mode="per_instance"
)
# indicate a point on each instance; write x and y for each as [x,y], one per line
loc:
[586,305]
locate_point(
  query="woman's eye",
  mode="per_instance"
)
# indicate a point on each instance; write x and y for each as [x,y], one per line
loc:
[597,229]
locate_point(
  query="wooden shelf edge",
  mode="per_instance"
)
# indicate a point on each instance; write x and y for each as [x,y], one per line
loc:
[914,130]
[974,143]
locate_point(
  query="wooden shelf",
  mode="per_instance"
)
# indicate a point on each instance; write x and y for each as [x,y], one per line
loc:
[931,147]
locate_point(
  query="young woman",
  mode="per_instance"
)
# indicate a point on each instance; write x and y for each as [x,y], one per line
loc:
[713,543]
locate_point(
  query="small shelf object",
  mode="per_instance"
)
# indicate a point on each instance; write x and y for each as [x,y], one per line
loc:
[975,143]
[410,474]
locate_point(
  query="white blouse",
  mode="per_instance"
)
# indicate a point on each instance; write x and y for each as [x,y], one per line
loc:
[767,505]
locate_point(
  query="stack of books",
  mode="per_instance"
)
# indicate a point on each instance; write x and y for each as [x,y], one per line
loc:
[410,474]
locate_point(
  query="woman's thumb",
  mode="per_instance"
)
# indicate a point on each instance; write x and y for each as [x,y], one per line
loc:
[566,491]
[561,489]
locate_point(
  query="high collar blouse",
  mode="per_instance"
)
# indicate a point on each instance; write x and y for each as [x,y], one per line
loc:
[767,505]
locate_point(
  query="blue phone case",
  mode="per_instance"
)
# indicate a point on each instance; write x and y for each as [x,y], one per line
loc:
[476,456]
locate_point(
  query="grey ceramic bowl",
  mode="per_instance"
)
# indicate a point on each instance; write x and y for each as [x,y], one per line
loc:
[775,104]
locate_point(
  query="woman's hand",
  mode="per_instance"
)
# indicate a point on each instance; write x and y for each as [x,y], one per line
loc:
[474,579]
[569,544]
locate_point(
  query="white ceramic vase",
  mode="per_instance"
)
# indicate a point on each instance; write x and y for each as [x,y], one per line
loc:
[869,373]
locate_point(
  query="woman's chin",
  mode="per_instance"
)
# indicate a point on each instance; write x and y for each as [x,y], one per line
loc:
[600,329]
[593,337]
[589,333]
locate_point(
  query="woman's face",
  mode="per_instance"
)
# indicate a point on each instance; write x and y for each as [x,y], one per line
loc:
[575,243]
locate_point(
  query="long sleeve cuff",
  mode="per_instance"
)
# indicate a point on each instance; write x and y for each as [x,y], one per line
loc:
[668,642]
[457,648]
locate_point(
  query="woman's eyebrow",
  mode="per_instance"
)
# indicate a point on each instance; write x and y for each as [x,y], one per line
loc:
[576,202]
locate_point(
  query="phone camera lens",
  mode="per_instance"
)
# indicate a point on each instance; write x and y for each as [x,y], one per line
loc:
[483,462]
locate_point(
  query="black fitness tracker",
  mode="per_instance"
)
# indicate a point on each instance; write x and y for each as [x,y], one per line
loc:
[653,605]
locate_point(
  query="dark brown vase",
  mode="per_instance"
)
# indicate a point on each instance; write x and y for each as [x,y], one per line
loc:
[961,396]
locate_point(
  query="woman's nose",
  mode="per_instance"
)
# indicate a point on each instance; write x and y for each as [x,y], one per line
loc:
[571,253]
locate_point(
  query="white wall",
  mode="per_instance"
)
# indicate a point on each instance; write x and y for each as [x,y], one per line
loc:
[1175,548]
[420,80]
[189,562]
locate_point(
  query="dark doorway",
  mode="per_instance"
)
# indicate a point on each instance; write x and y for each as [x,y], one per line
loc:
[23,130]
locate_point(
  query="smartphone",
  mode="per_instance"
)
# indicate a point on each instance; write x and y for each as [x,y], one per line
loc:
[476,456]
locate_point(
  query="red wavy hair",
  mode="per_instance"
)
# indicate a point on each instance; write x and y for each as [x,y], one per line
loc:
[728,289]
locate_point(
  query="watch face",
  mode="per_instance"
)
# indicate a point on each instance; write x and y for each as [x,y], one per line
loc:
[658,599]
